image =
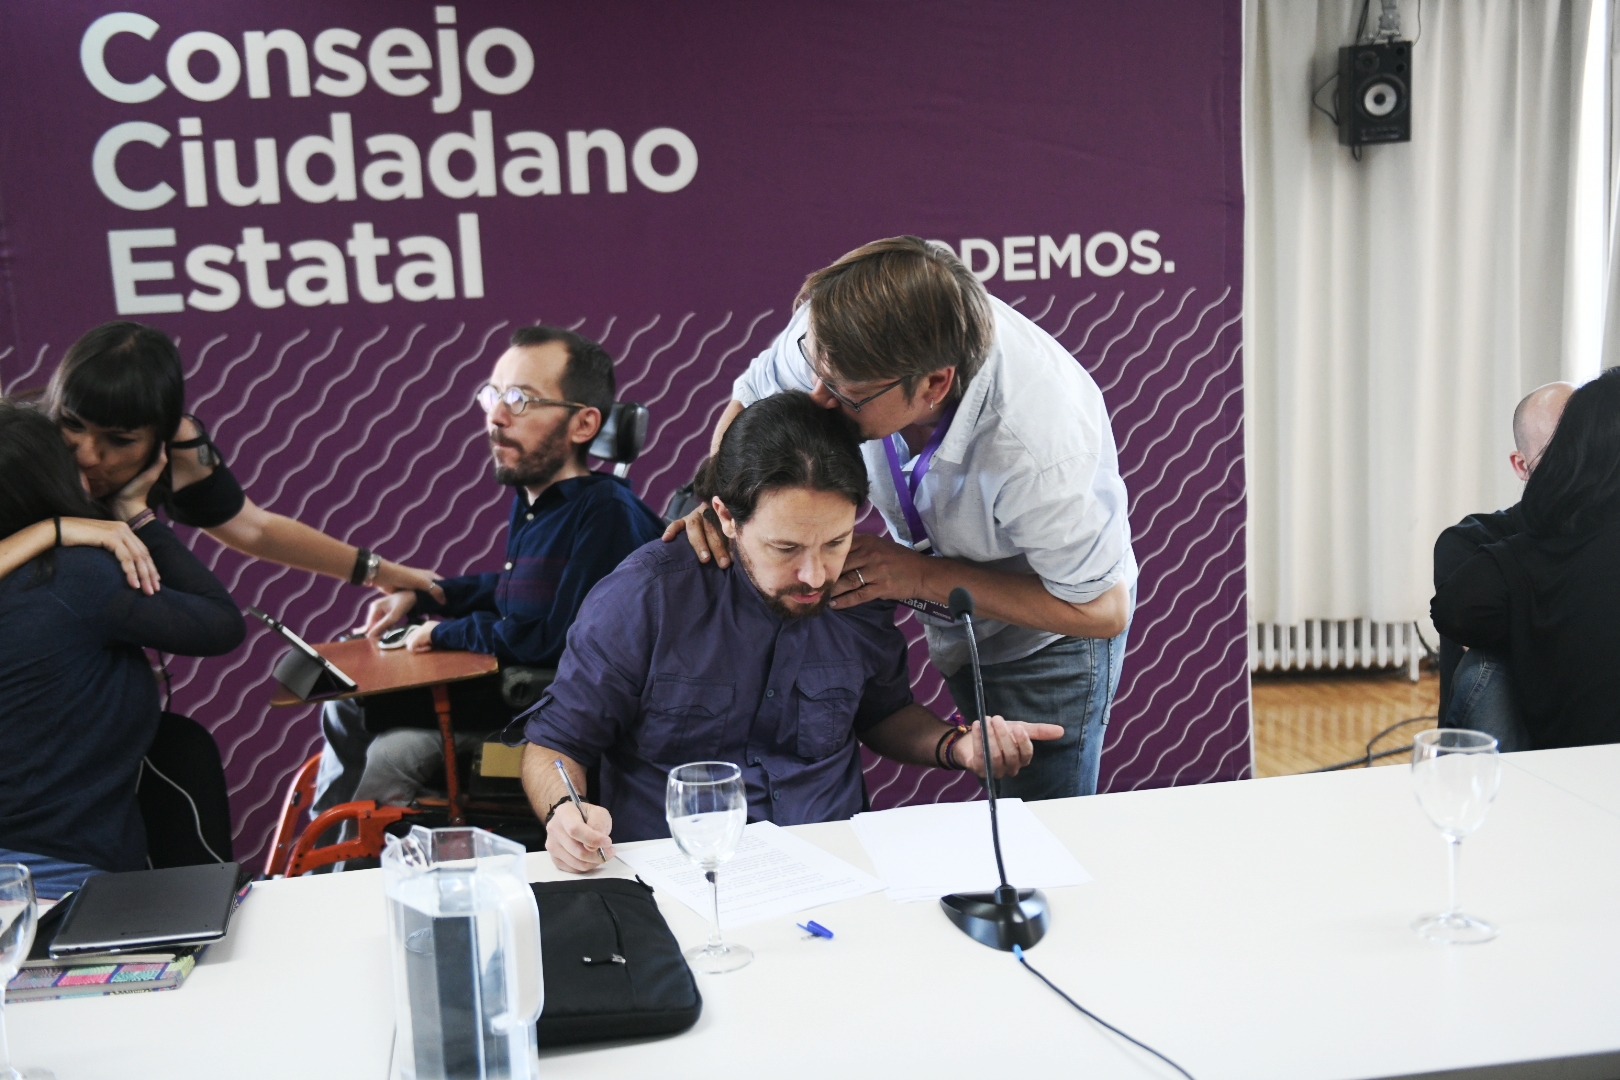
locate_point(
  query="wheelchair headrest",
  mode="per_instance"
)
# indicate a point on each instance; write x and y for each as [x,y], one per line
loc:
[624,429]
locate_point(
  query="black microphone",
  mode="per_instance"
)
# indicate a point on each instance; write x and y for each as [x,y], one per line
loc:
[961,604]
[1008,916]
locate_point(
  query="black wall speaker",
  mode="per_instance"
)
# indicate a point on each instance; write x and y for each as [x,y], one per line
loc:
[1375,93]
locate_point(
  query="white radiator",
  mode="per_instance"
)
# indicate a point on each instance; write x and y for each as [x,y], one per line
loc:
[1321,644]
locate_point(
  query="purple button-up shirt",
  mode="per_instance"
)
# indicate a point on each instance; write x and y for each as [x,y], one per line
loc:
[672,661]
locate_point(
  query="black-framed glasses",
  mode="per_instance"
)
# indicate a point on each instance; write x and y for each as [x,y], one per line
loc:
[852,406]
[516,400]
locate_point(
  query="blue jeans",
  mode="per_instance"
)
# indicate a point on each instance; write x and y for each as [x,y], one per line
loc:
[1482,700]
[1071,682]
[343,757]
[53,878]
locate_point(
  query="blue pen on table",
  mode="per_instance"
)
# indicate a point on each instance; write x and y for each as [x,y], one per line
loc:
[813,927]
[574,795]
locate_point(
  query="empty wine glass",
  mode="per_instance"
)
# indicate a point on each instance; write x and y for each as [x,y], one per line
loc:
[707,808]
[1455,775]
[19,913]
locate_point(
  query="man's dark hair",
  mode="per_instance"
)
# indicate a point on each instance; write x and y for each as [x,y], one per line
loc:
[1575,488]
[121,375]
[899,309]
[588,378]
[41,477]
[783,441]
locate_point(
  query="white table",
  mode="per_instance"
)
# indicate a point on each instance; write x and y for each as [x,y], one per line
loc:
[1250,930]
[1591,773]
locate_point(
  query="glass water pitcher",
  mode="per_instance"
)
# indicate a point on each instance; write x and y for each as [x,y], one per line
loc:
[464,932]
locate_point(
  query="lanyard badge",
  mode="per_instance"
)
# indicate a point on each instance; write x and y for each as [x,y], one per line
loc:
[905,489]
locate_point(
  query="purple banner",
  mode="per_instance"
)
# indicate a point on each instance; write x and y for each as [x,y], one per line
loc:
[341,212]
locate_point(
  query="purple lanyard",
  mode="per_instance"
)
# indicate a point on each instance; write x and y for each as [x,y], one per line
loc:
[905,488]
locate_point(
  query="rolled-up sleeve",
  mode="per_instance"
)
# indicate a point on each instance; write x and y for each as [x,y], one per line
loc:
[780,367]
[1070,522]
[596,698]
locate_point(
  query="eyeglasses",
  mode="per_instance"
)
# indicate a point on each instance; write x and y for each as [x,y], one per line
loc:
[852,406]
[516,400]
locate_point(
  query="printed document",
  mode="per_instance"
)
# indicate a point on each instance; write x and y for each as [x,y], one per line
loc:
[927,851]
[773,874]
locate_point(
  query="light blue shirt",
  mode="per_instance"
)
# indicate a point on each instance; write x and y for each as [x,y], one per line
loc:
[1026,480]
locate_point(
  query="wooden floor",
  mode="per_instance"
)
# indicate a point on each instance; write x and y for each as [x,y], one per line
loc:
[1305,722]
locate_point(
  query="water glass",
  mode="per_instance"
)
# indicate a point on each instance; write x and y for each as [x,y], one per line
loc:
[1455,775]
[707,807]
[19,916]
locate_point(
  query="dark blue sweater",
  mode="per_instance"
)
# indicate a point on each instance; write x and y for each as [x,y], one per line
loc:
[556,550]
[80,701]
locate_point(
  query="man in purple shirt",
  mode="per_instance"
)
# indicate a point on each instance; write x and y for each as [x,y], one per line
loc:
[672,661]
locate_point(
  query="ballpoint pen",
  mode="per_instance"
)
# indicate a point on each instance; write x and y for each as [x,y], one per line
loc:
[574,795]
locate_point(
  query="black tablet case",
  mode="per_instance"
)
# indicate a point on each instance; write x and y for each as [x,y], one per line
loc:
[590,997]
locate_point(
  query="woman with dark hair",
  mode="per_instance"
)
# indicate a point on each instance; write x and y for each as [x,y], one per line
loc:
[119,399]
[81,704]
[1546,597]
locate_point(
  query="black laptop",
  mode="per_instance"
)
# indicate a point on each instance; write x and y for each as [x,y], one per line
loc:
[144,910]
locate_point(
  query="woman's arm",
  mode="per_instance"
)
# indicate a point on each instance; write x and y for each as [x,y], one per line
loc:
[193,616]
[255,531]
[27,544]
[265,535]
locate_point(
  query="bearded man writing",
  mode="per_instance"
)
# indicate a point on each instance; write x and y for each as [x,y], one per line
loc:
[672,661]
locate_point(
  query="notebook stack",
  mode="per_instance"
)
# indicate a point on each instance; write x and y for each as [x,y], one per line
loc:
[46,979]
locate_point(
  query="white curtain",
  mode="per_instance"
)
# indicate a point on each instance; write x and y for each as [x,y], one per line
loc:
[1398,307]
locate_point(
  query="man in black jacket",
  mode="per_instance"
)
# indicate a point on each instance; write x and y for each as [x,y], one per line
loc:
[1534,420]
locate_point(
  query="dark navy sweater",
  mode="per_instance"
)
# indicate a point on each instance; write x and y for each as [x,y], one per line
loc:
[557,549]
[80,703]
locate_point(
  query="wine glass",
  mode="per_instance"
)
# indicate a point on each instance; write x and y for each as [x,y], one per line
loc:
[19,915]
[707,808]
[1455,774]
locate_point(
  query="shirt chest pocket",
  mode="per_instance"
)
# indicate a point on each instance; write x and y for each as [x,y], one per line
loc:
[828,695]
[685,719]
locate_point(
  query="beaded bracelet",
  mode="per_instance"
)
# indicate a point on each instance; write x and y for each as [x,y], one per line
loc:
[947,743]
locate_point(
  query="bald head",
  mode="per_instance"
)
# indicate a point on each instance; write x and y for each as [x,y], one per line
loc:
[1534,422]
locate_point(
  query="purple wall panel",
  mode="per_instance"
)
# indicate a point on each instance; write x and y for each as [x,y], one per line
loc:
[816,128]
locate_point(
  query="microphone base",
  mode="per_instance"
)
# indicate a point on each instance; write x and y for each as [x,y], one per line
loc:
[1001,918]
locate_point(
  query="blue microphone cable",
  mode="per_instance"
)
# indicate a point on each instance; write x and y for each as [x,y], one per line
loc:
[1018,951]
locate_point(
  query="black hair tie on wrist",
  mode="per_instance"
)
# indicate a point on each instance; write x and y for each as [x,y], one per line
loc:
[362,560]
[58,522]
[553,811]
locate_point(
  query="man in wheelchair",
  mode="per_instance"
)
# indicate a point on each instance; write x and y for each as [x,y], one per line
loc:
[544,406]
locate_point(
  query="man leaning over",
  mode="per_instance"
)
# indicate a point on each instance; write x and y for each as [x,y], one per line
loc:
[672,662]
[992,461]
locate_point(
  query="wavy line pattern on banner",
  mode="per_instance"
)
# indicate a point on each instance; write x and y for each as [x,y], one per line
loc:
[375,442]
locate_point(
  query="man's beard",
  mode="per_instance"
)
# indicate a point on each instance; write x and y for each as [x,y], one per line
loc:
[534,468]
[775,600]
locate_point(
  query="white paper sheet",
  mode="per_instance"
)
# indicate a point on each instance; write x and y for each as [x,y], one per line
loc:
[774,873]
[927,851]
